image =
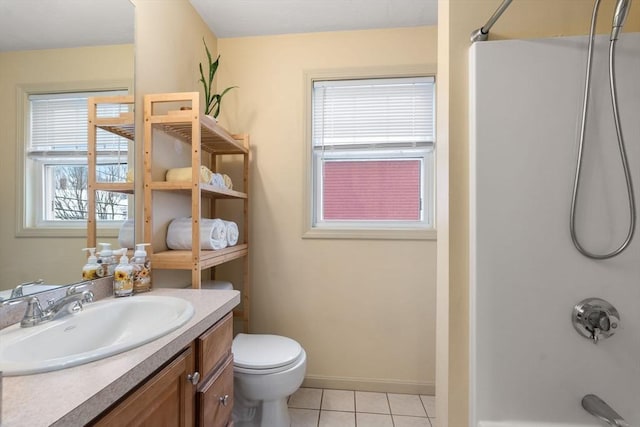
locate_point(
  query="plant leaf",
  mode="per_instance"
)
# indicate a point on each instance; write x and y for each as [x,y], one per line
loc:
[213,68]
[218,100]
[207,50]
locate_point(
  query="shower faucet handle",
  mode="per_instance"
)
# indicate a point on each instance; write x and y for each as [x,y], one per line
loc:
[595,318]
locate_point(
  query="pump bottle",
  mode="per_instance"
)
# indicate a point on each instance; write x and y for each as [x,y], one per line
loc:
[107,261]
[123,276]
[141,269]
[90,269]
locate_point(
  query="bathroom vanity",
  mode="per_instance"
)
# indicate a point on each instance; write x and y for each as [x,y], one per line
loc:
[185,376]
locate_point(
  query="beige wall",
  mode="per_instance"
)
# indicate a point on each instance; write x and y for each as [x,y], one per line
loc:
[169,47]
[457,19]
[364,310]
[59,259]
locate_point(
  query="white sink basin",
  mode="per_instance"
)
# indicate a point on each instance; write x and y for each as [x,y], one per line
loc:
[102,329]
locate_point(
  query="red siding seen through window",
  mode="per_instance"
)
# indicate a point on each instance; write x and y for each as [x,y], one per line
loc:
[371,190]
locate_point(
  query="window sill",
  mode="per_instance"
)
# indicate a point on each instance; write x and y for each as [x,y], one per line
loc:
[371,234]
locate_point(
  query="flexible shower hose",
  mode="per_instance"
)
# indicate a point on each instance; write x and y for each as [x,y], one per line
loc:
[621,147]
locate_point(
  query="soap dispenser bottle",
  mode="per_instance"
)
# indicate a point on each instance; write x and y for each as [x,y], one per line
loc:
[90,269]
[123,276]
[107,261]
[141,269]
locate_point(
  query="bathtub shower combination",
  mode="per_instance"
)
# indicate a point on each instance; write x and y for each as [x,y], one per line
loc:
[554,268]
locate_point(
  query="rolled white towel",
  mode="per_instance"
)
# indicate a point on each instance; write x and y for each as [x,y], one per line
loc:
[126,235]
[213,234]
[232,233]
[217,180]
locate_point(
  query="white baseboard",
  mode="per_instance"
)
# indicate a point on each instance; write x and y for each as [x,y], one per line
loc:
[370,384]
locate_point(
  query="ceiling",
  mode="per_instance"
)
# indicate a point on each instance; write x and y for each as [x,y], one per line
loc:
[47,24]
[40,24]
[239,18]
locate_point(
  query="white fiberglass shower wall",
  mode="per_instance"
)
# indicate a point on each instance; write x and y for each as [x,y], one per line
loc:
[529,366]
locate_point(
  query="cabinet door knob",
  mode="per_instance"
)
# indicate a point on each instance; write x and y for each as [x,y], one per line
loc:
[224,399]
[194,378]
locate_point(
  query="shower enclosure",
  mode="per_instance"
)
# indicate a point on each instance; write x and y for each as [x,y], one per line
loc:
[529,366]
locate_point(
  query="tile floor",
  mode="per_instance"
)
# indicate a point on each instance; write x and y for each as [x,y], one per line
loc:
[314,407]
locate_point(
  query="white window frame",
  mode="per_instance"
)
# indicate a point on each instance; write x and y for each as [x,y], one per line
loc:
[29,174]
[394,230]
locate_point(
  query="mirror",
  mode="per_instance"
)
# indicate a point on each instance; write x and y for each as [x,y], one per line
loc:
[57,46]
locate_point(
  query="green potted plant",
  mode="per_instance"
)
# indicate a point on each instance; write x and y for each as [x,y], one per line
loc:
[212,100]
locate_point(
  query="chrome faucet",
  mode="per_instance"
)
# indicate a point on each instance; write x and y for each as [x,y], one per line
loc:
[599,409]
[70,303]
[17,292]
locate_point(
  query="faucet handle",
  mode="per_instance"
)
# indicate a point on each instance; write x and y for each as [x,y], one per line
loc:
[74,288]
[87,297]
[34,313]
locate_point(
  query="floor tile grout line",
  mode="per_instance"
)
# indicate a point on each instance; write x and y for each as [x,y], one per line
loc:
[390,411]
[320,410]
[355,414]
[423,406]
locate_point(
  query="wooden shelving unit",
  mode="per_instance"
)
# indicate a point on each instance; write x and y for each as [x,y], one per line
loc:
[204,136]
[123,126]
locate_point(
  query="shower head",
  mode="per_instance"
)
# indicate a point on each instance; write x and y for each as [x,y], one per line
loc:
[619,16]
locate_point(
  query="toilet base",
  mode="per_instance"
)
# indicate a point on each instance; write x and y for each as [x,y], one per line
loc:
[267,413]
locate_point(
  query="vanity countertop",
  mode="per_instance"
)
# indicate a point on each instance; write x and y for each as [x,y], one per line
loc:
[75,396]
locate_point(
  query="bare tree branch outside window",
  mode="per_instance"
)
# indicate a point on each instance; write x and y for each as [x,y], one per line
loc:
[70,199]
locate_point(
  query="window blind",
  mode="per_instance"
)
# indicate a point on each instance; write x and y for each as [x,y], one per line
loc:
[395,112]
[59,123]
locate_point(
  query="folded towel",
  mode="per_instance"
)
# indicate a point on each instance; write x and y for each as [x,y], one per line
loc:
[217,180]
[184,174]
[213,234]
[232,233]
[126,235]
[227,181]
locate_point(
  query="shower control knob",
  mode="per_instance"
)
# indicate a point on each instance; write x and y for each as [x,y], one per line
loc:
[595,319]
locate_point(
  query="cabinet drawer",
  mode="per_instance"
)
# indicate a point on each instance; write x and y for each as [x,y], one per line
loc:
[215,345]
[215,397]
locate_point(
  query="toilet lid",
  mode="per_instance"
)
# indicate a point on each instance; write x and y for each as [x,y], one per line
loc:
[255,351]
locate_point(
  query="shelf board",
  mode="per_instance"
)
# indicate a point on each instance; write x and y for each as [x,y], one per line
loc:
[127,131]
[207,190]
[117,187]
[213,138]
[122,126]
[183,260]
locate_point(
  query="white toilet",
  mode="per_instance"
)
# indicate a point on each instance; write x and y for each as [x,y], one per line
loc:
[267,369]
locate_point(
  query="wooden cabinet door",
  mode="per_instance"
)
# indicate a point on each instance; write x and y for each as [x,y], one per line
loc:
[214,346]
[165,400]
[215,397]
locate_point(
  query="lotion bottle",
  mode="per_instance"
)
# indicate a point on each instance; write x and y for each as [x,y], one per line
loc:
[123,276]
[90,269]
[141,269]
[107,261]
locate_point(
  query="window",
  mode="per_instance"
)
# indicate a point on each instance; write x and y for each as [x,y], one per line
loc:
[372,154]
[55,161]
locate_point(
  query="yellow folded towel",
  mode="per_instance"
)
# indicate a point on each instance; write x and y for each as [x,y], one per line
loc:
[227,181]
[184,174]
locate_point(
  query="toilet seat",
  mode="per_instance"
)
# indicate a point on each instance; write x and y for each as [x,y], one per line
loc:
[264,354]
